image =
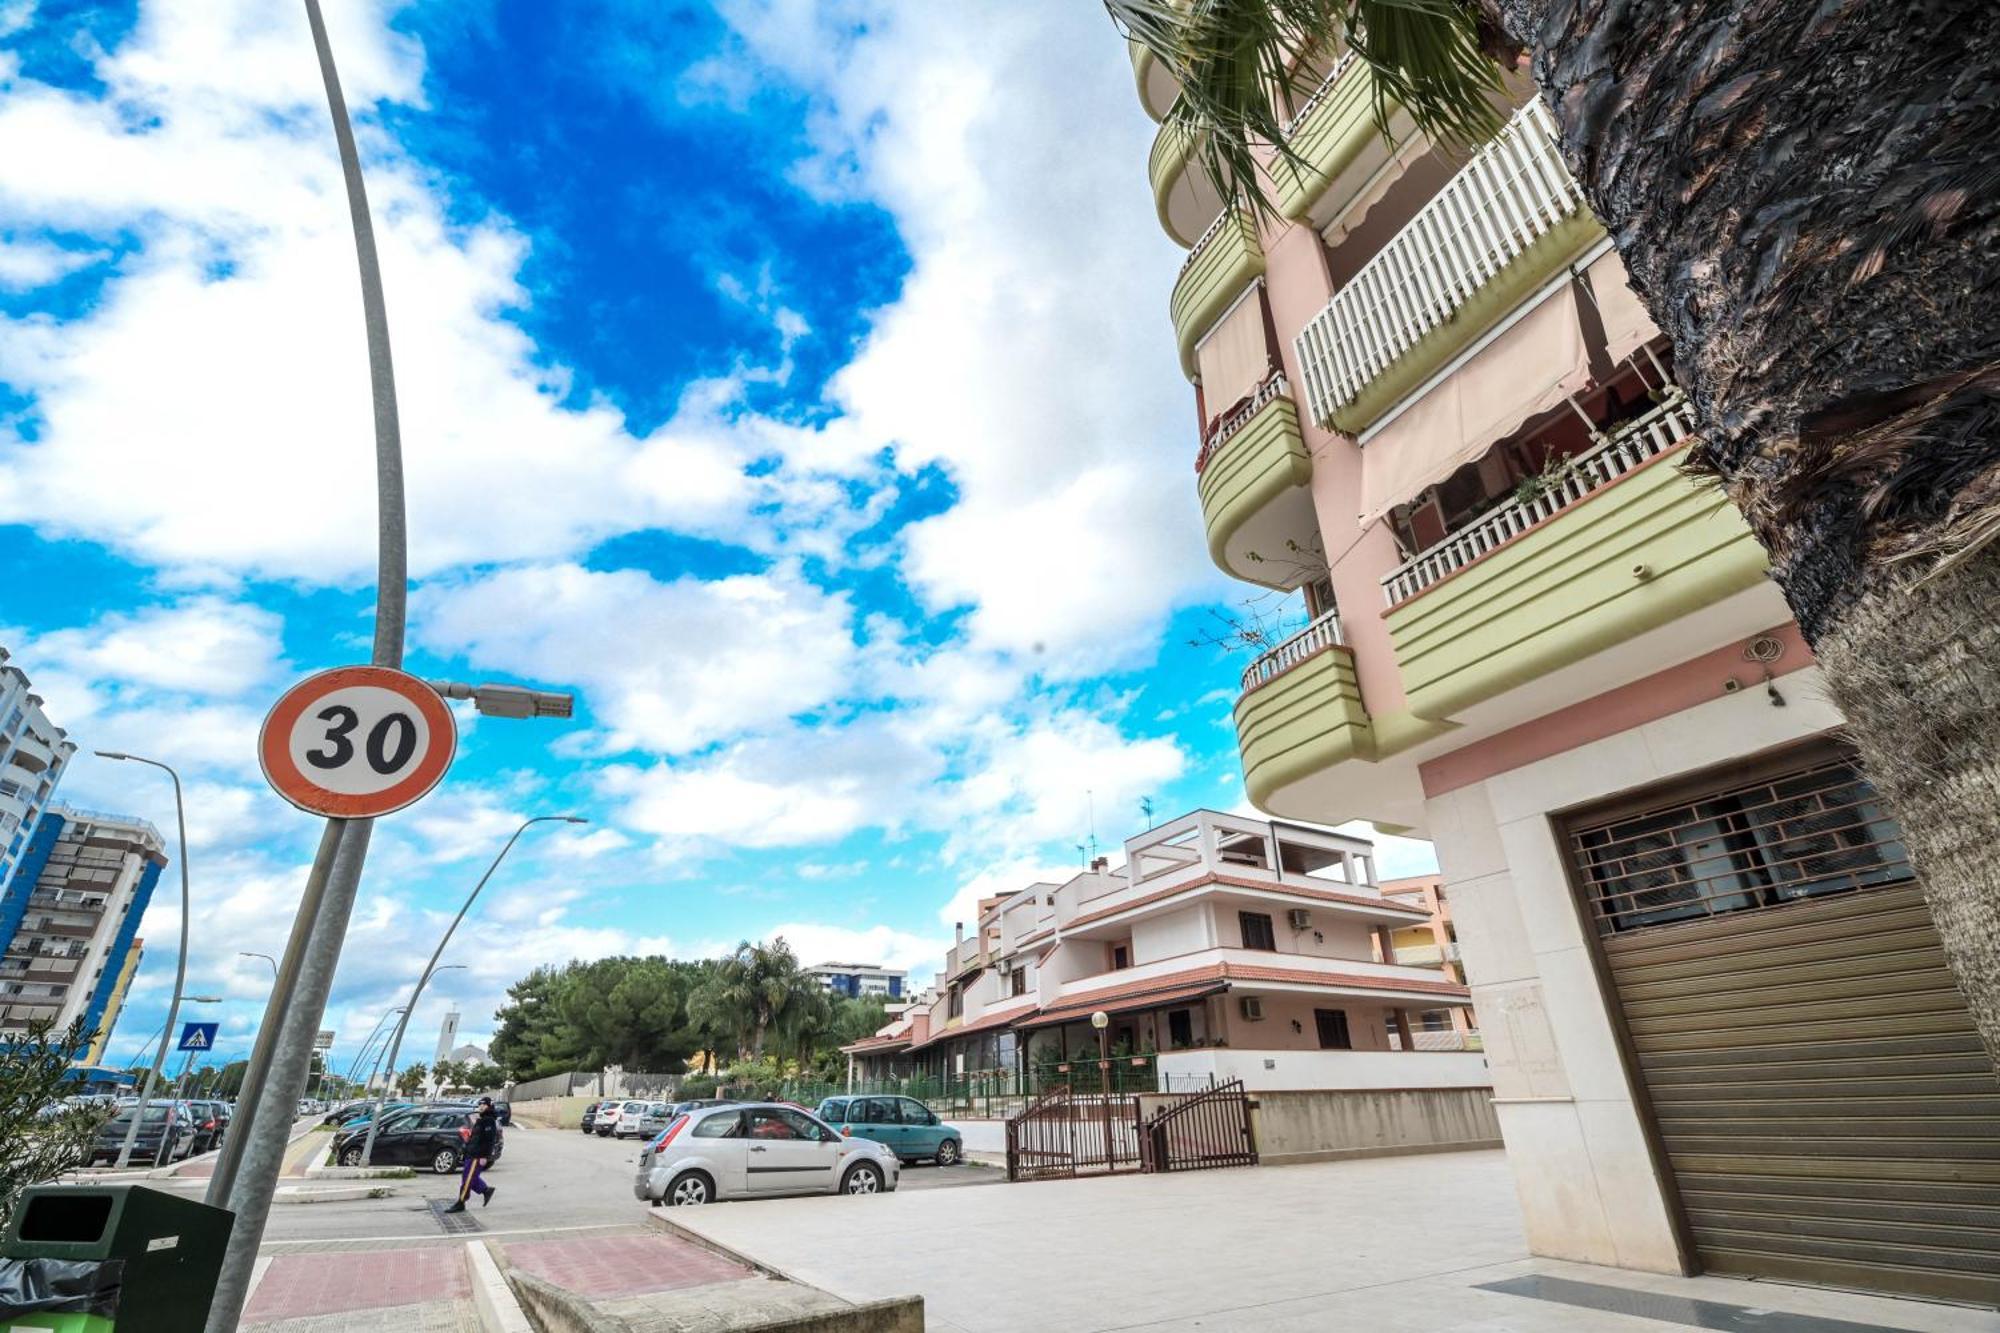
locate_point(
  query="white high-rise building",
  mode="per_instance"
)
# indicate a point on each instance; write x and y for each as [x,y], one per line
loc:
[33,754]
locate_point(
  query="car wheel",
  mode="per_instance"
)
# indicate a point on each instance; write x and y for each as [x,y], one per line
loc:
[689,1189]
[445,1161]
[352,1157]
[947,1153]
[863,1178]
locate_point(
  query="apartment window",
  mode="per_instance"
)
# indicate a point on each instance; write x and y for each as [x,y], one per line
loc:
[1180,1027]
[1257,932]
[1121,957]
[1333,1034]
[955,1005]
[1018,982]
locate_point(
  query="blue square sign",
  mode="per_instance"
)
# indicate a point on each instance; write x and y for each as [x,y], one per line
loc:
[198,1036]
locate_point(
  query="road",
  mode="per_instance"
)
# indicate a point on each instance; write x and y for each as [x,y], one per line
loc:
[549,1181]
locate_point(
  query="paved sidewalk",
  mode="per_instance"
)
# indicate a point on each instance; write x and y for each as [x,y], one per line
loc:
[414,1288]
[600,1267]
[1418,1244]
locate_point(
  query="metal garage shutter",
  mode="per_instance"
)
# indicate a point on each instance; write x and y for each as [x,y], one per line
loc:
[1817,1085]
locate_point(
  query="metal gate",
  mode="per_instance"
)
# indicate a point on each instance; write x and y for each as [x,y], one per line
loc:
[1817,1084]
[1064,1133]
[1207,1129]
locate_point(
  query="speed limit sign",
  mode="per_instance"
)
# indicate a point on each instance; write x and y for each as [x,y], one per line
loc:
[356,742]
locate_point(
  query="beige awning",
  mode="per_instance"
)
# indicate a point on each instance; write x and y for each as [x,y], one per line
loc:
[1235,357]
[1627,326]
[1527,370]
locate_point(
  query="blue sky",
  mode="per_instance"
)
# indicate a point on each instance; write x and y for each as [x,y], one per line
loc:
[792,380]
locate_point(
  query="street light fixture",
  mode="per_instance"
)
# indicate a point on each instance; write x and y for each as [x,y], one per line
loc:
[1101,1020]
[180,966]
[508,700]
[396,1042]
[266,957]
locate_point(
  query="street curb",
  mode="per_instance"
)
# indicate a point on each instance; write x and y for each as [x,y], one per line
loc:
[338,1194]
[492,1297]
[657,1217]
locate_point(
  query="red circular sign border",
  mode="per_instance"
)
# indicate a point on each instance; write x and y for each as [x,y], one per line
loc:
[274,752]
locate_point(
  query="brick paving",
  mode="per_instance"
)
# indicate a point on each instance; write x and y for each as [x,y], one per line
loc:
[320,1284]
[607,1266]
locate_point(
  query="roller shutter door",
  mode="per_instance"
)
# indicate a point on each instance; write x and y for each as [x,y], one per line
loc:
[1818,1088]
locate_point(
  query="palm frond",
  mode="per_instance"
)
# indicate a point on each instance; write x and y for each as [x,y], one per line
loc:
[1239,69]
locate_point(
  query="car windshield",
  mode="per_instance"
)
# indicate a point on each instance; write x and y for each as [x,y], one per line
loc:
[635,1107]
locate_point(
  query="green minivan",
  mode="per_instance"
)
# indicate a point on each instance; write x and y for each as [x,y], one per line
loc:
[903,1125]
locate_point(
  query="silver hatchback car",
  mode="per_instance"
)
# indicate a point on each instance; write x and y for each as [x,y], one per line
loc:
[757,1151]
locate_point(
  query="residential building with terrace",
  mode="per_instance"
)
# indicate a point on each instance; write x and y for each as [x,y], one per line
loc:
[1433,944]
[33,754]
[1432,414]
[1222,948]
[854,980]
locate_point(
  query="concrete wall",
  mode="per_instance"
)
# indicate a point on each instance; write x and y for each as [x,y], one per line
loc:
[1326,1070]
[553,1112]
[1171,934]
[1325,1125]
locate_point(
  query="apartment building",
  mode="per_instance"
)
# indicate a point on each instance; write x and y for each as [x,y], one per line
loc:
[854,980]
[114,1005]
[1222,948]
[1434,943]
[1428,408]
[70,919]
[33,754]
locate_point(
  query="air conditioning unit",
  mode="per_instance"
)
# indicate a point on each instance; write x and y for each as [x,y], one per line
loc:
[1299,917]
[1003,965]
[1252,1008]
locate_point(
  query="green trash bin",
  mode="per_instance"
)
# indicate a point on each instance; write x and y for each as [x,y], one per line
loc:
[93,1258]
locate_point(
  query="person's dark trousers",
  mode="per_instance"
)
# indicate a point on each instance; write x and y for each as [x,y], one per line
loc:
[472,1182]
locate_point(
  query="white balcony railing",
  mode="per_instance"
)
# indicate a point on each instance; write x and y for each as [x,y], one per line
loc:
[1238,418]
[1321,634]
[1632,444]
[1511,192]
[1318,95]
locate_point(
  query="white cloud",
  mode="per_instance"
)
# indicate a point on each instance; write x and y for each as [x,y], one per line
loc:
[203,645]
[814,943]
[29,264]
[672,666]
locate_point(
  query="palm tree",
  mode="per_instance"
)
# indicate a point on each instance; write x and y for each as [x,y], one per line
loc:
[1806,198]
[751,989]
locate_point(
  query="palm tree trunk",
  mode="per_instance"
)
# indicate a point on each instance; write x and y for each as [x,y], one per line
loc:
[1806,198]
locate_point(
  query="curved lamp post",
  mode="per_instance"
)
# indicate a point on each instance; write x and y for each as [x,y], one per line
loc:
[368,1044]
[396,1042]
[180,967]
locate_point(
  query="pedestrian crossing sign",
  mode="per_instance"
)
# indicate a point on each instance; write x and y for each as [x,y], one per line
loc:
[198,1036]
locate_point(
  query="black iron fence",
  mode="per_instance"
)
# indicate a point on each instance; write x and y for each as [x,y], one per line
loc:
[1064,1133]
[1205,1130]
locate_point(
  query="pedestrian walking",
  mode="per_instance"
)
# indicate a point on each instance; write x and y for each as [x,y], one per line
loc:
[482,1136]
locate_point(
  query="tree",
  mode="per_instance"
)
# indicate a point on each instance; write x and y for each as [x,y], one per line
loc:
[411,1079]
[38,1143]
[1805,198]
[753,987]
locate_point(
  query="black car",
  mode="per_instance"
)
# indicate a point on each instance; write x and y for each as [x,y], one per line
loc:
[210,1122]
[505,1111]
[430,1137]
[346,1111]
[590,1117]
[166,1134]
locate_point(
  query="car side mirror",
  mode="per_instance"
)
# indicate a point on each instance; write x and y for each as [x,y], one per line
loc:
[930,1117]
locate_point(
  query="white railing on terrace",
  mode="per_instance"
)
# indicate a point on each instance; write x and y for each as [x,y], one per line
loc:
[1239,417]
[1512,191]
[1208,234]
[1322,633]
[1632,444]
[1333,76]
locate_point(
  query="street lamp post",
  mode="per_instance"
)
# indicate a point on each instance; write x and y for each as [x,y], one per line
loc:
[382,1051]
[396,1042]
[266,957]
[180,966]
[360,1060]
[1101,1021]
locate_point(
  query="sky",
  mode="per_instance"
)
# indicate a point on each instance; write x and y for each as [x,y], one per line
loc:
[791,380]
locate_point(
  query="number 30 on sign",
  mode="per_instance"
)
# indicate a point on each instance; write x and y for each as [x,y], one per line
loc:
[356,742]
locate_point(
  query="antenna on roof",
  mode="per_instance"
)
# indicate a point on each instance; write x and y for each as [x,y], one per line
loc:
[1082,855]
[1091,798]
[1146,809]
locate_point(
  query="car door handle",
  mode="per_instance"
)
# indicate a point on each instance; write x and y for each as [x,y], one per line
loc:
[756,1147]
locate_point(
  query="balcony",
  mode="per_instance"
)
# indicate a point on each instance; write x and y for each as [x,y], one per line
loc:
[32,755]
[1332,129]
[1628,545]
[1225,260]
[1300,712]
[1182,194]
[1252,476]
[1505,224]
[1157,85]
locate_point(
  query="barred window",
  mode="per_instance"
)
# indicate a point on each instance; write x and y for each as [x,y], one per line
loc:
[1802,834]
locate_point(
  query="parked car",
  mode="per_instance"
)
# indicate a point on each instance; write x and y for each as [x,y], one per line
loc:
[211,1123]
[590,1117]
[903,1124]
[654,1120]
[366,1112]
[505,1110]
[758,1150]
[421,1136]
[165,1135]
[631,1116]
[344,1112]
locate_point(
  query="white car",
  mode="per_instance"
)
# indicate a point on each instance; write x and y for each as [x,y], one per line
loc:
[757,1151]
[625,1124]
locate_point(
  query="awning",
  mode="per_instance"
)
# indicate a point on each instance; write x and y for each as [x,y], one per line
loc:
[1083,1006]
[1527,370]
[986,1022]
[1234,357]
[1627,326]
